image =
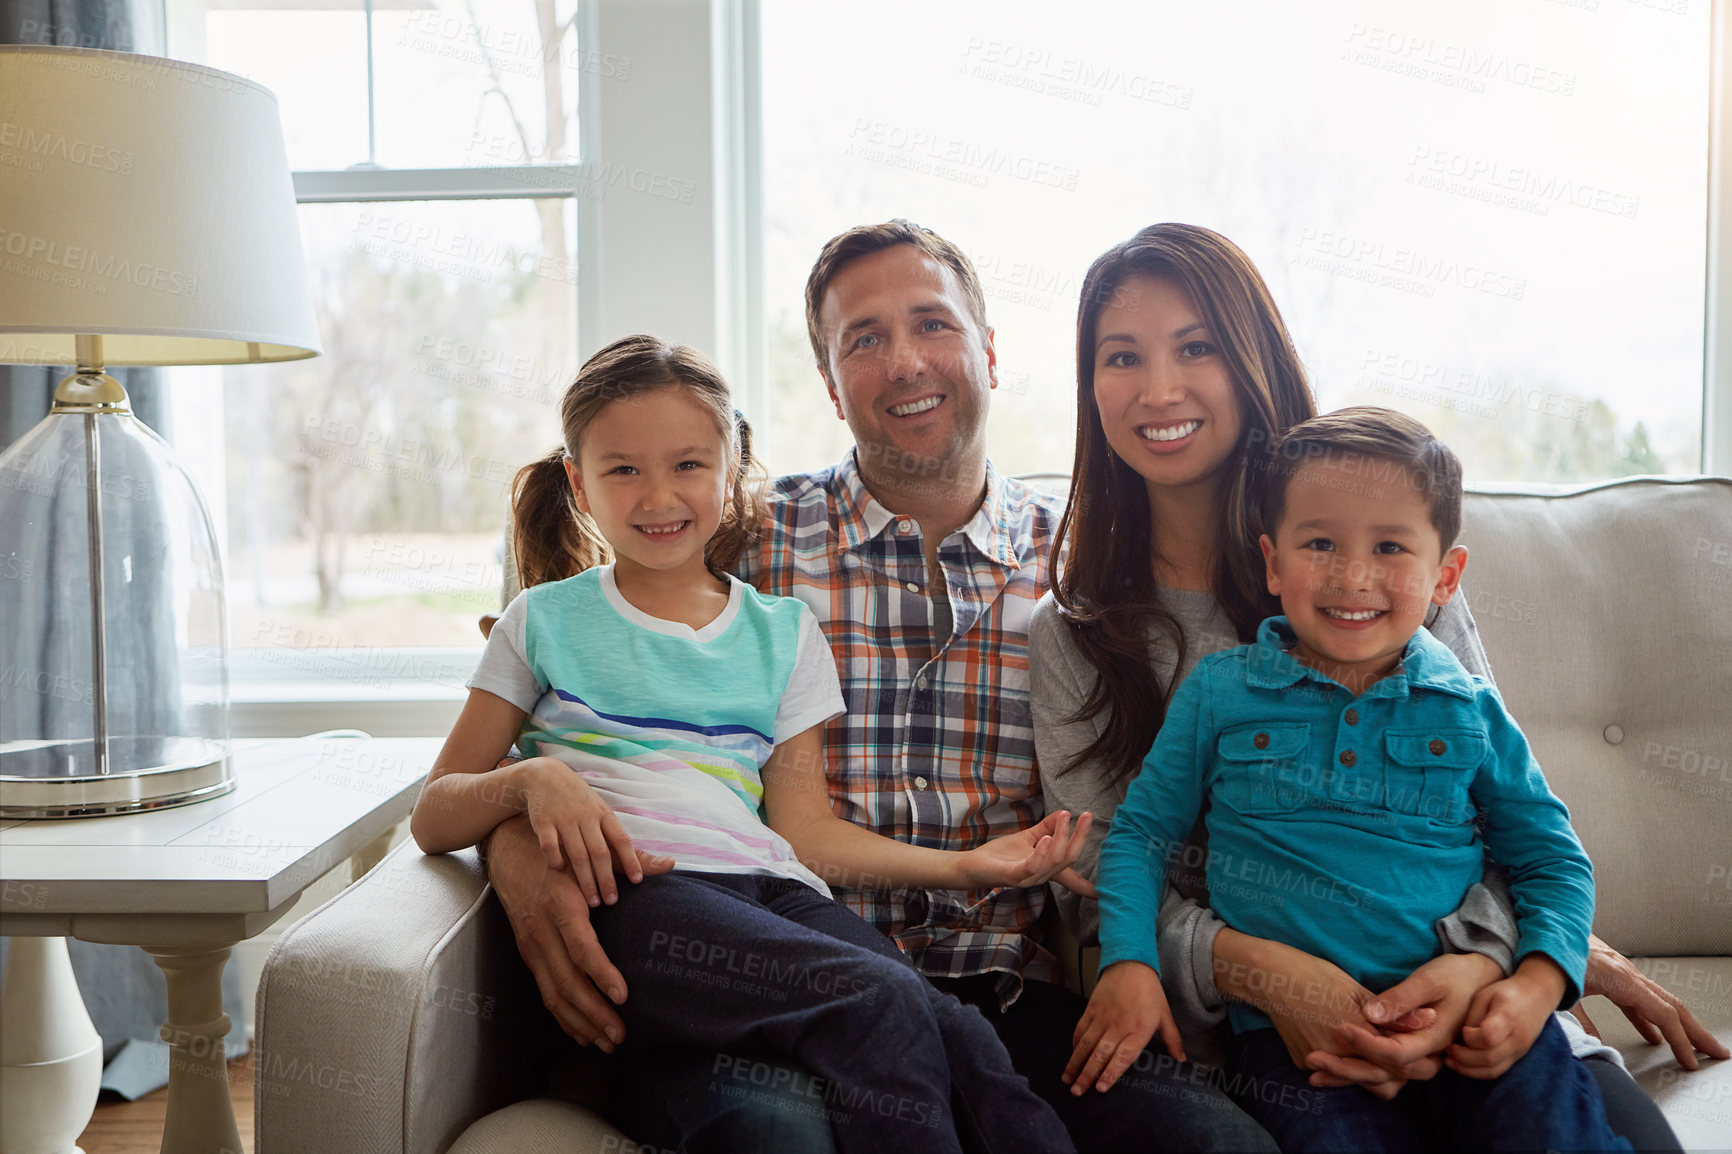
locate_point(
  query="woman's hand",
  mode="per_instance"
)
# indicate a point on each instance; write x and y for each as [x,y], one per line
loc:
[1655,1011]
[1126,1009]
[1032,857]
[577,828]
[1308,999]
[1410,1024]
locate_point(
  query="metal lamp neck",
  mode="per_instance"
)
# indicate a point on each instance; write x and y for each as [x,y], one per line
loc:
[90,390]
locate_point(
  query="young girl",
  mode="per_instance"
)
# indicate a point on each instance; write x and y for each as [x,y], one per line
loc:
[661,706]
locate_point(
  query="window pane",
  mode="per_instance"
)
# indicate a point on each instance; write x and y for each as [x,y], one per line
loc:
[1489,215]
[455,85]
[369,487]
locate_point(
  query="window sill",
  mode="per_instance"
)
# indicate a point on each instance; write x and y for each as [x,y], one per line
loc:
[383,692]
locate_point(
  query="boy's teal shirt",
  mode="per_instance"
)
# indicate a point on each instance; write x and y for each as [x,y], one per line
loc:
[1344,826]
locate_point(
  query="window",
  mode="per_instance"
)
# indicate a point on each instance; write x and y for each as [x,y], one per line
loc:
[1462,210]
[1489,215]
[435,151]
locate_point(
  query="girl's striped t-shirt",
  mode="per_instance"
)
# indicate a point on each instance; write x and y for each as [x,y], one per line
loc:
[670,725]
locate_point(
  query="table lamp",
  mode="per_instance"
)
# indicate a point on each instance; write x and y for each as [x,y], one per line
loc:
[147,217]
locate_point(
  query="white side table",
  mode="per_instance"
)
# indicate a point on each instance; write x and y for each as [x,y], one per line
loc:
[186,884]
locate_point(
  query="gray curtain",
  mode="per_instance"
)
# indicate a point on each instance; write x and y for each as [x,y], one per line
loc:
[27,390]
[122,987]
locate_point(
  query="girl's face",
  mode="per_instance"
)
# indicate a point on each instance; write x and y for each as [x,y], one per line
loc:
[1162,387]
[654,473]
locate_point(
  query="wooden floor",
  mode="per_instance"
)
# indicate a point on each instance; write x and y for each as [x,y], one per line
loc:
[120,1127]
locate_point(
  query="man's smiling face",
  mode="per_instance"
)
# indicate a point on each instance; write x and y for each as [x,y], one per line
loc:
[909,367]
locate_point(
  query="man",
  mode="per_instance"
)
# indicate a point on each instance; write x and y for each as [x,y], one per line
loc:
[923,565]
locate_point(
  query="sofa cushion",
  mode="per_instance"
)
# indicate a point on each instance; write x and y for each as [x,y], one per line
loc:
[542,1126]
[1607,613]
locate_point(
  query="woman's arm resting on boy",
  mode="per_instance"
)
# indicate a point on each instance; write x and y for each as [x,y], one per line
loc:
[1657,1013]
[797,806]
[550,920]
[1486,923]
[1319,1010]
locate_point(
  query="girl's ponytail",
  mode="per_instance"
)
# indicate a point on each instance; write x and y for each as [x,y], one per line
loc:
[550,539]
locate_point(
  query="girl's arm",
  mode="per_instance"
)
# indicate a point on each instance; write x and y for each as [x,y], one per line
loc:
[797,806]
[464,799]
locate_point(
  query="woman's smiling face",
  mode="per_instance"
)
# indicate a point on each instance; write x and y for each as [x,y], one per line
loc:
[1162,386]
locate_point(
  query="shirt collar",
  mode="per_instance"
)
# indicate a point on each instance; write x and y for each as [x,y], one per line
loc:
[1427,663]
[861,517]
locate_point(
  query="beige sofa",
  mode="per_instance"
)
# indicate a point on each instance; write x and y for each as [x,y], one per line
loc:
[398,1018]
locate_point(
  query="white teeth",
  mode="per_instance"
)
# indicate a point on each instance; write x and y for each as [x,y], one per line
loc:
[1171,433]
[1354,614]
[662,530]
[916,407]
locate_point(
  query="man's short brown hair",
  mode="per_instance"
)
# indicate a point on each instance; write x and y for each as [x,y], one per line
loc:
[866,239]
[1365,435]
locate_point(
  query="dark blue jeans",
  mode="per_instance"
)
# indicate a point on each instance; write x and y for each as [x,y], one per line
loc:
[757,968]
[1546,1101]
[1159,1103]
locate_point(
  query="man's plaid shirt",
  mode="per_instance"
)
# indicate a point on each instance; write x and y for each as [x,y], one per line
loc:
[937,746]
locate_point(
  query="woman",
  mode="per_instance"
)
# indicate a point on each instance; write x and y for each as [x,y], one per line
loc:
[1185,376]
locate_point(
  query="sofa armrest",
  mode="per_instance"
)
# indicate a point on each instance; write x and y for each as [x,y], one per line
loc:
[396,1014]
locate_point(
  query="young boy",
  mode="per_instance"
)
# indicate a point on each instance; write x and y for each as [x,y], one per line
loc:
[1343,760]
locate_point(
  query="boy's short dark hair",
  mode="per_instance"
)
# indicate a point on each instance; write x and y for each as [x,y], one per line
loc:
[1368,434]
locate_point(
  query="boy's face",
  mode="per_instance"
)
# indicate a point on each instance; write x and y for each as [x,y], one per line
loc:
[1357,564]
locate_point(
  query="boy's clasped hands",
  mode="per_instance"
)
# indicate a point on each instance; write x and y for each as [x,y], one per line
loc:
[1454,1011]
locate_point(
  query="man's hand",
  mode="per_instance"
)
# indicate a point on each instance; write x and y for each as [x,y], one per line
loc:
[1411,1023]
[1127,1007]
[1506,1017]
[1031,857]
[1655,1011]
[550,919]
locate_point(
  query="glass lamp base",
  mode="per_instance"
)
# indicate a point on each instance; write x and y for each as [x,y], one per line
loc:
[58,779]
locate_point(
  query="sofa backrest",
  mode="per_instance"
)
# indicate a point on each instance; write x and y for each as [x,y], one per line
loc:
[1607,614]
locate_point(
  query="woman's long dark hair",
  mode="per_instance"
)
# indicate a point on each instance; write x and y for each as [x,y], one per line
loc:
[552,539]
[1107,589]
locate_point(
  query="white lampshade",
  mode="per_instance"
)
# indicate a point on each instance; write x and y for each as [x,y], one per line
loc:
[148,202]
